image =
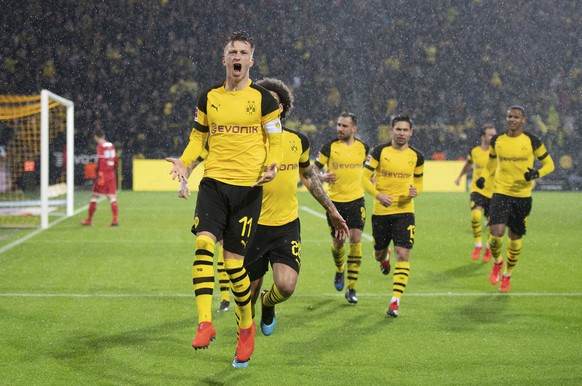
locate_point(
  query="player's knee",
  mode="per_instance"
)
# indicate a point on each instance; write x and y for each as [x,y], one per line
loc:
[402,254]
[286,289]
[205,243]
[381,254]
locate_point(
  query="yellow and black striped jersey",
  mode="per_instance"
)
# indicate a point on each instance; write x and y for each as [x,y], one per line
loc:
[236,125]
[514,155]
[280,205]
[478,158]
[346,162]
[395,170]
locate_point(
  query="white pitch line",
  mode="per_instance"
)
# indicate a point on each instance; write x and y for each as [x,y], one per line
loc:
[434,294]
[38,231]
[318,214]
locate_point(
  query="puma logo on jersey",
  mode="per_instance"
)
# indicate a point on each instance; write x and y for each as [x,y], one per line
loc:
[244,243]
[215,107]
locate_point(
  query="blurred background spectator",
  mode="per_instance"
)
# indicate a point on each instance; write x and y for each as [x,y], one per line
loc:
[135,67]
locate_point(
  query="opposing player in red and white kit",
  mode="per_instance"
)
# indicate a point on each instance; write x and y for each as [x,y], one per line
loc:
[105,184]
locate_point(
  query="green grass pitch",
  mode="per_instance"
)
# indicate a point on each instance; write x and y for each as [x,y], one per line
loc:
[114,306]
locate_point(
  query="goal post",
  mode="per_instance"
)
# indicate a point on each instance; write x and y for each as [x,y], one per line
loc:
[36,159]
[45,96]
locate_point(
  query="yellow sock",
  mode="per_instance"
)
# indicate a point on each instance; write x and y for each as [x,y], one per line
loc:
[496,243]
[273,297]
[476,216]
[338,258]
[513,252]
[203,277]
[223,280]
[354,262]
[401,272]
[241,291]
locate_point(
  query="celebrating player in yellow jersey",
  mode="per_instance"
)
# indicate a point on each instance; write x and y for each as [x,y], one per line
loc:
[511,158]
[279,226]
[480,198]
[344,158]
[398,170]
[240,122]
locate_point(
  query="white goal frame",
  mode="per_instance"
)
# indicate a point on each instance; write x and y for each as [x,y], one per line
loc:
[45,96]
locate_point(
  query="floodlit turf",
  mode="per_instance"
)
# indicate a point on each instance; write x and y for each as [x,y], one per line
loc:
[114,306]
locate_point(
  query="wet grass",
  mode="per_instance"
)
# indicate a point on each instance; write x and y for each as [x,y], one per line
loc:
[113,306]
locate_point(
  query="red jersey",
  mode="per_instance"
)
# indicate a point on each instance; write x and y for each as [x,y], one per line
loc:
[105,183]
[106,158]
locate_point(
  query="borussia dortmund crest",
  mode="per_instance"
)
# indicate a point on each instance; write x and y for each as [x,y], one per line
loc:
[294,147]
[251,107]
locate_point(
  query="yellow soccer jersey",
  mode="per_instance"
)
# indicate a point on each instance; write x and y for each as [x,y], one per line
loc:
[478,158]
[514,156]
[396,170]
[280,205]
[234,122]
[346,162]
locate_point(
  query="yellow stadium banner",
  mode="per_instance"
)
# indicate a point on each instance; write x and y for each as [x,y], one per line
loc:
[439,176]
[154,175]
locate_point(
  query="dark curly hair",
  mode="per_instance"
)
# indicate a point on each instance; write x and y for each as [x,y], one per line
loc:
[283,92]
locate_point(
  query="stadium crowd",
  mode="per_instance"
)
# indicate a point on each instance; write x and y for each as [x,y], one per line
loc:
[134,67]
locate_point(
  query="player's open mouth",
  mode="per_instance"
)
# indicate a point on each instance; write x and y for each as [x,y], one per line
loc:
[237,67]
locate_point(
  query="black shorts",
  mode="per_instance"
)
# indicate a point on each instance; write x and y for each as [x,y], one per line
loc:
[399,228]
[229,212]
[477,199]
[274,244]
[511,211]
[354,212]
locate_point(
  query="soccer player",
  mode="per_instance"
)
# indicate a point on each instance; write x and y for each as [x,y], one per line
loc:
[279,226]
[344,158]
[240,122]
[479,198]
[511,158]
[398,170]
[106,183]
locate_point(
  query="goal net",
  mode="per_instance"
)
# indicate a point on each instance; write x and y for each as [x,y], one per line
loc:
[36,159]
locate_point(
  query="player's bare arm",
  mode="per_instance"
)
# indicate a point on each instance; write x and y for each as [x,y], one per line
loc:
[313,185]
[466,167]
